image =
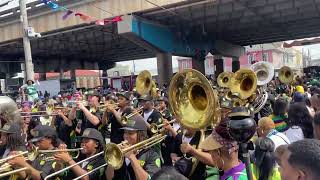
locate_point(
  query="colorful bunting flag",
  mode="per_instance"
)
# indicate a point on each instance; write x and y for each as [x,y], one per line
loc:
[44,1]
[83,17]
[67,14]
[52,5]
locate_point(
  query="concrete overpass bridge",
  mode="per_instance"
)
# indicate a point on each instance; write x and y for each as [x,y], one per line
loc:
[154,28]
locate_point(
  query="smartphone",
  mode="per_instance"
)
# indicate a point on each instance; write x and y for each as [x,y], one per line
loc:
[79,124]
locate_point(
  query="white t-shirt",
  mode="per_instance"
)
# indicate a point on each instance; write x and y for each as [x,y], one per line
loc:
[147,115]
[294,134]
[278,138]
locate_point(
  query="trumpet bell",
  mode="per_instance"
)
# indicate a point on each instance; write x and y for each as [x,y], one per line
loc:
[113,155]
[224,79]
[192,99]
[286,75]
[144,82]
[264,72]
[243,83]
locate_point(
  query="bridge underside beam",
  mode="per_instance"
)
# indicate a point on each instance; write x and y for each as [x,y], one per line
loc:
[160,38]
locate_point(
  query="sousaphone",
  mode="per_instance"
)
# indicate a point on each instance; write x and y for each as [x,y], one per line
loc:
[243,83]
[264,72]
[145,84]
[194,103]
[193,100]
[286,75]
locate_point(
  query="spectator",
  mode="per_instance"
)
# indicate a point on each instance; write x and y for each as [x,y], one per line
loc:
[299,122]
[299,160]
[279,115]
[264,166]
[266,128]
[316,126]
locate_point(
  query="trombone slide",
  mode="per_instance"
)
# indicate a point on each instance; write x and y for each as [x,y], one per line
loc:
[13,172]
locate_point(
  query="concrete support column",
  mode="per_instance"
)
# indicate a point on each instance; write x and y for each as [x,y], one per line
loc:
[198,64]
[61,73]
[164,63]
[42,76]
[235,64]
[218,65]
[73,74]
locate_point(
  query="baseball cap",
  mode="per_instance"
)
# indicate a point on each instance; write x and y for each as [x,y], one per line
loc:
[135,123]
[41,131]
[11,128]
[298,97]
[145,98]
[124,94]
[93,134]
[162,98]
[300,89]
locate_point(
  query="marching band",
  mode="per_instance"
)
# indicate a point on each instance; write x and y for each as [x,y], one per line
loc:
[194,130]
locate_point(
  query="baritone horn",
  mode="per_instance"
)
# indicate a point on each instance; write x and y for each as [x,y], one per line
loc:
[224,79]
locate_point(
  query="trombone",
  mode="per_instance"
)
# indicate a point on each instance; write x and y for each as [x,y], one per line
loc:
[154,128]
[7,170]
[114,154]
[35,153]
[124,119]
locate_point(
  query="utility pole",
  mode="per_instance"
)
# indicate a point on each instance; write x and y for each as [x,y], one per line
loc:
[29,73]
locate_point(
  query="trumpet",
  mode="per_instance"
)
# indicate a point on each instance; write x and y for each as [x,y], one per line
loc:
[124,119]
[154,128]
[114,105]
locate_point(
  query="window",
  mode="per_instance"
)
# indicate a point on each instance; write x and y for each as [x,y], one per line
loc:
[116,73]
[265,57]
[251,58]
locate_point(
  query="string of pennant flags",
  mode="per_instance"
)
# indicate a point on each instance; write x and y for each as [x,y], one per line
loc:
[68,12]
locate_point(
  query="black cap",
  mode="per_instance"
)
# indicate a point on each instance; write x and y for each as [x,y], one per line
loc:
[124,94]
[31,81]
[162,98]
[93,93]
[11,128]
[136,123]
[93,134]
[41,131]
[145,98]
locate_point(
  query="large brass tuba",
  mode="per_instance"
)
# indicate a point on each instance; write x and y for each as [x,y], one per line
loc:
[145,84]
[224,79]
[286,75]
[243,83]
[264,71]
[193,100]
[9,111]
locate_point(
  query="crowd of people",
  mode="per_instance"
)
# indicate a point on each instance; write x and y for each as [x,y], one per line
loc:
[286,144]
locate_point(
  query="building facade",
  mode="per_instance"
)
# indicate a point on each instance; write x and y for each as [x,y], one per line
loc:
[273,53]
[84,78]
